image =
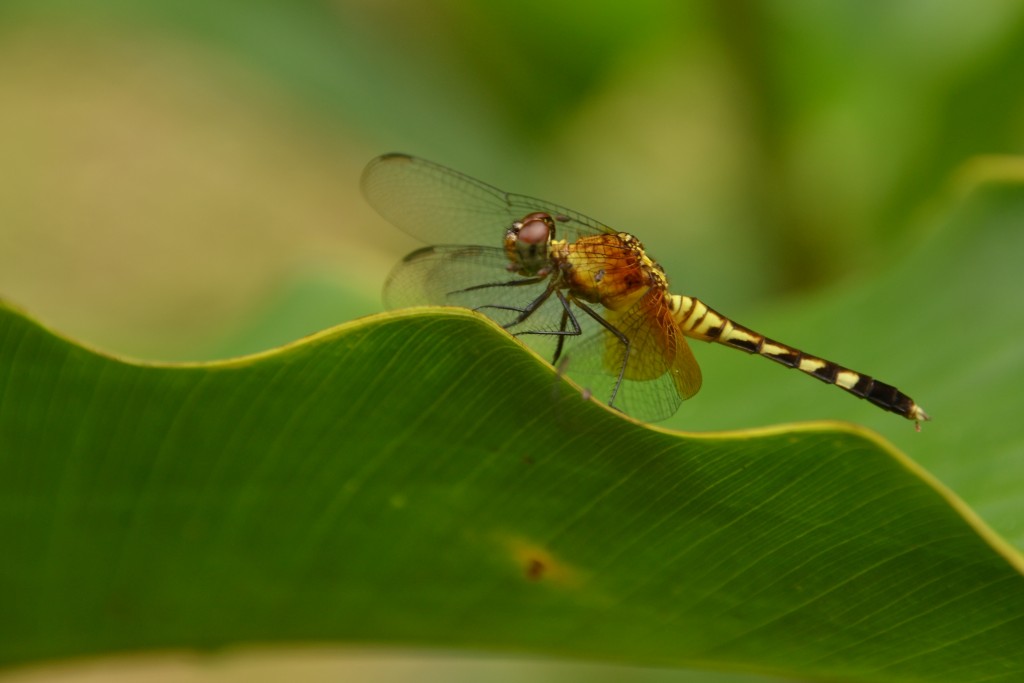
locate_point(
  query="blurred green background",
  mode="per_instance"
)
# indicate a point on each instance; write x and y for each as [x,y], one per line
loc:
[179,180]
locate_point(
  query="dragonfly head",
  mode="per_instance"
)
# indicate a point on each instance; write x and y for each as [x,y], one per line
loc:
[526,243]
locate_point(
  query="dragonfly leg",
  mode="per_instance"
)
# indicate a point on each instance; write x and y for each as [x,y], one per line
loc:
[566,313]
[561,332]
[523,312]
[527,310]
[618,335]
[507,283]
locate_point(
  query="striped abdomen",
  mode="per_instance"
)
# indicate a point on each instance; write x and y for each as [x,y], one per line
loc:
[699,321]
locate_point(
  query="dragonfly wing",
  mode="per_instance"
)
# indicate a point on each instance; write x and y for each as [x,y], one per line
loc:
[661,371]
[685,370]
[475,277]
[660,360]
[432,275]
[438,205]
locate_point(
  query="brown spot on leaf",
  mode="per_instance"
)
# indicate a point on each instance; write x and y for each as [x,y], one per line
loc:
[537,563]
[534,569]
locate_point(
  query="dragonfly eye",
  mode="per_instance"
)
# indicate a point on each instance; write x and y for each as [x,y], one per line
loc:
[526,243]
[536,228]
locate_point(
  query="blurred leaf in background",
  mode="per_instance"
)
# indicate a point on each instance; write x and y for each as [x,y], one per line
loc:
[168,166]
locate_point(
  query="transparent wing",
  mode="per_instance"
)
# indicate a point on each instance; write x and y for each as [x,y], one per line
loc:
[658,346]
[440,206]
[661,371]
[475,277]
[467,276]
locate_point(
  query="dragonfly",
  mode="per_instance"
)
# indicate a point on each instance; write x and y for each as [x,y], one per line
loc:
[579,292]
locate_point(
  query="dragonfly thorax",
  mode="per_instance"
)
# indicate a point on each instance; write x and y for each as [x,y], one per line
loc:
[611,269]
[528,244]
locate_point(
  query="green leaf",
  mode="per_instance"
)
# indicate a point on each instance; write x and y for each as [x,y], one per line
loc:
[419,478]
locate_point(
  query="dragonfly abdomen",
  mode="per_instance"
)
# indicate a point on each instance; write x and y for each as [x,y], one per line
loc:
[698,320]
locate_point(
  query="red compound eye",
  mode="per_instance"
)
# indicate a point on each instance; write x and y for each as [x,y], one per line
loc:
[536,229]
